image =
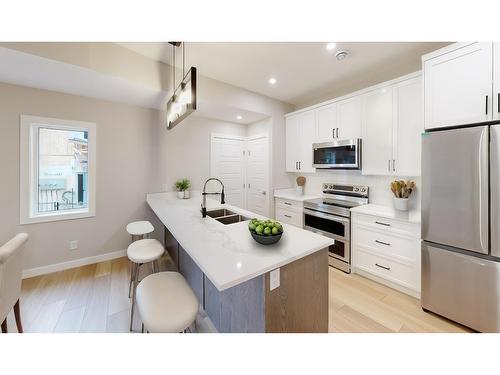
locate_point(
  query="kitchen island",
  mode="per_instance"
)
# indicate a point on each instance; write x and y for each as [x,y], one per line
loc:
[230,273]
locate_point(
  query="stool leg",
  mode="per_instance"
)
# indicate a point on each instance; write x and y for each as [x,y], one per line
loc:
[17,314]
[136,277]
[157,265]
[4,326]
[132,271]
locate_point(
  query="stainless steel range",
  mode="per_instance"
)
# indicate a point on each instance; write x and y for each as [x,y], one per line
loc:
[331,217]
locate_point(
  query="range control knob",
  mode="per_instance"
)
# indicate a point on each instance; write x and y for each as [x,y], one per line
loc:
[363,190]
[356,189]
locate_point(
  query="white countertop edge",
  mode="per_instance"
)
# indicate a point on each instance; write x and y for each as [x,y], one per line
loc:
[412,217]
[292,195]
[263,271]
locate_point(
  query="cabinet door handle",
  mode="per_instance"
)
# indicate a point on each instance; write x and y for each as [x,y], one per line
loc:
[486,104]
[384,267]
[383,243]
[337,132]
[498,103]
[384,224]
[296,165]
[333,133]
[389,165]
[394,165]
[287,203]
[300,166]
[288,216]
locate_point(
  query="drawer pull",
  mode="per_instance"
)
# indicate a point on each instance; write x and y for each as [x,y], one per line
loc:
[383,243]
[288,216]
[288,203]
[384,224]
[384,267]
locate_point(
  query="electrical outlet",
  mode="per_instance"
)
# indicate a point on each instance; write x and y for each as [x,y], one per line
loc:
[73,245]
[274,279]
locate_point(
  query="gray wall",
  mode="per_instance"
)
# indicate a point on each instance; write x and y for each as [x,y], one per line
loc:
[126,171]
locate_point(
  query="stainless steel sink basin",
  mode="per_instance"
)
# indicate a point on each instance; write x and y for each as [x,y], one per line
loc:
[231,219]
[220,213]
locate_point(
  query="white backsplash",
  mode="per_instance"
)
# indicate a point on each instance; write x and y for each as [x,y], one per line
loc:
[380,192]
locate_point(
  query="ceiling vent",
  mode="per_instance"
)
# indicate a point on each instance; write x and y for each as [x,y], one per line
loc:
[341,55]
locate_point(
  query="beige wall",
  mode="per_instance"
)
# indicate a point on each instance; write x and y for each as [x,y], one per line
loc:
[185,150]
[126,171]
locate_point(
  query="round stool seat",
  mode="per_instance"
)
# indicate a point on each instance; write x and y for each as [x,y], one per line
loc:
[166,303]
[139,228]
[145,251]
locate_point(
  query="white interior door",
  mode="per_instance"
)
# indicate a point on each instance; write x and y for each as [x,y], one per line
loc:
[227,163]
[258,175]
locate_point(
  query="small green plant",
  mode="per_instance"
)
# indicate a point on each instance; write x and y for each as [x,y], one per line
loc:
[182,185]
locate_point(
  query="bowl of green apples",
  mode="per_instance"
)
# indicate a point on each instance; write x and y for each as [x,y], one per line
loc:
[265,232]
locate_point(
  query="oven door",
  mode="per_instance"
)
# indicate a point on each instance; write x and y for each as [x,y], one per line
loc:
[345,154]
[333,226]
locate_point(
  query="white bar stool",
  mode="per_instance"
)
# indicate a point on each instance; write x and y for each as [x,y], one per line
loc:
[166,303]
[138,230]
[139,252]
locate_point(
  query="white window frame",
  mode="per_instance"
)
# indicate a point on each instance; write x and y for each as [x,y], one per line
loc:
[29,168]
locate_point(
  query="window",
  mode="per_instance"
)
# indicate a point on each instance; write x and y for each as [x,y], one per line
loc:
[57,169]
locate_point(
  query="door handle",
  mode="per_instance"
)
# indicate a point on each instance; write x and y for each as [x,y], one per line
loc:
[337,132]
[383,243]
[384,267]
[394,165]
[498,103]
[333,133]
[384,224]
[287,203]
[288,216]
[300,167]
[296,165]
[486,104]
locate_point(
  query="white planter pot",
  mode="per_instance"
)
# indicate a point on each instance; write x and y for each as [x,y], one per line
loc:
[186,194]
[401,204]
[180,194]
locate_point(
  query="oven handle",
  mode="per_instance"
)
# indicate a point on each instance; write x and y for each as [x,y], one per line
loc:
[331,217]
[326,234]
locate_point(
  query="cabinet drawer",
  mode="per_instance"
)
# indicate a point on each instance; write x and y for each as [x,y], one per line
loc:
[390,225]
[393,271]
[387,243]
[288,203]
[289,217]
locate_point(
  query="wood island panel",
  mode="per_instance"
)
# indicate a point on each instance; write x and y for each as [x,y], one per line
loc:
[300,303]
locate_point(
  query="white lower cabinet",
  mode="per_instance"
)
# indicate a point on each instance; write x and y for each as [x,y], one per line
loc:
[289,212]
[387,250]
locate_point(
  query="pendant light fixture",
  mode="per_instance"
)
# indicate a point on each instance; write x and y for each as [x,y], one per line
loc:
[183,100]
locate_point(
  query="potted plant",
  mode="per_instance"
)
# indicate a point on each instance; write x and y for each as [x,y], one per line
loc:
[402,191]
[182,187]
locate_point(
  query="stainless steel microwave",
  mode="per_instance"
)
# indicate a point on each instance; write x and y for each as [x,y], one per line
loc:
[341,154]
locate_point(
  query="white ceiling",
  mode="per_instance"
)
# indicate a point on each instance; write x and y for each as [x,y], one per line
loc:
[304,71]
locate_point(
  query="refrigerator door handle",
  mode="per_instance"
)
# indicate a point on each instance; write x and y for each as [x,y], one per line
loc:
[495,189]
[483,189]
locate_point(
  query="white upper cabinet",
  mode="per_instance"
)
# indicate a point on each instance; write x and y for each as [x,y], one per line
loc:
[349,118]
[458,85]
[339,120]
[327,127]
[496,81]
[377,131]
[408,132]
[307,135]
[292,137]
[300,134]
[392,126]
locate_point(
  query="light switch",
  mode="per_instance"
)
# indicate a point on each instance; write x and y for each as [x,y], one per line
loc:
[274,279]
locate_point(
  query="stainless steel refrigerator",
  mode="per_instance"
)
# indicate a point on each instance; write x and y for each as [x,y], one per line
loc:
[461,225]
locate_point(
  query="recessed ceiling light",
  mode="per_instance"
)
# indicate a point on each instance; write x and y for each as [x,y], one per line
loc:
[239,117]
[331,46]
[272,81]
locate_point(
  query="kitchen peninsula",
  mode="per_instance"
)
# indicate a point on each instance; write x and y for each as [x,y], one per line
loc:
[230,273]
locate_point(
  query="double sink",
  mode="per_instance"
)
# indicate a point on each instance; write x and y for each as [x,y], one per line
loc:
[225,216]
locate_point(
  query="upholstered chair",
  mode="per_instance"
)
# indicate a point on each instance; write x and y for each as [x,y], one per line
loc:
[11,268]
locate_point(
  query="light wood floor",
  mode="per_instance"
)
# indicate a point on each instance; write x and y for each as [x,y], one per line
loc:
[94,298]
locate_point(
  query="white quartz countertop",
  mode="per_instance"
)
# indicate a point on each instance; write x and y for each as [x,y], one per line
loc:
[227,254]
[292,195]
[412,216]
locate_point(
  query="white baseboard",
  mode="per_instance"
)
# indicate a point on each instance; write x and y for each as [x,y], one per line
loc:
[72,264]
